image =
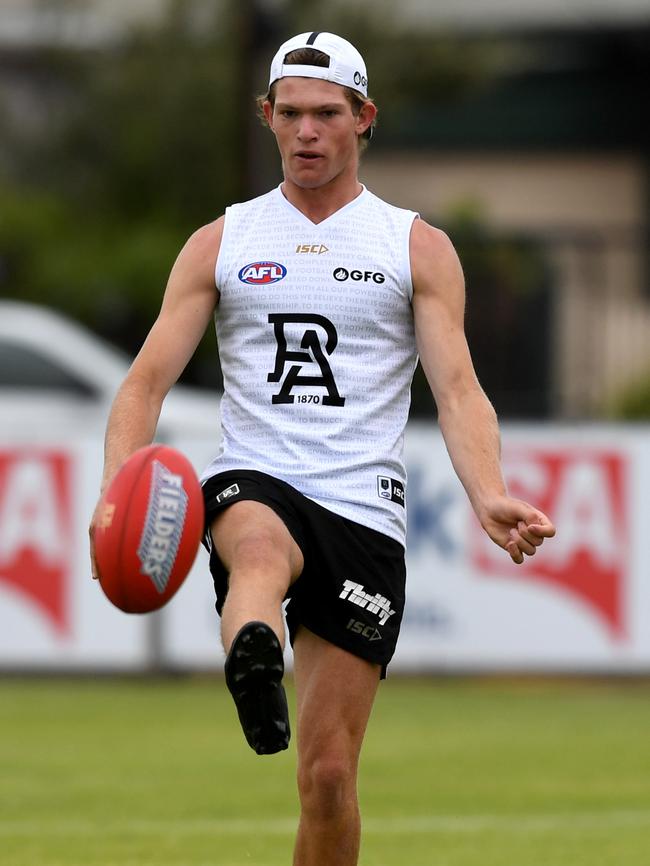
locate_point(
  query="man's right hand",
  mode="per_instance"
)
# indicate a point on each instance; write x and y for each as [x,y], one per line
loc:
[94,522]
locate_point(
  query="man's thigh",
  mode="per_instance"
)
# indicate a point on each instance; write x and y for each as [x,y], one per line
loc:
[352,589]
[335,691]
[250,530]
[250,521]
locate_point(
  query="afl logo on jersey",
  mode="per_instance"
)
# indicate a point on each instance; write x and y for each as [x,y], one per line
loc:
[262,273]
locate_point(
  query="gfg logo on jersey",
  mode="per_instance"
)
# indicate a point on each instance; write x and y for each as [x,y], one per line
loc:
[262,273]
[342,274]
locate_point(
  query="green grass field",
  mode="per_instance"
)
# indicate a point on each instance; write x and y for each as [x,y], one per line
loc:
[455,773]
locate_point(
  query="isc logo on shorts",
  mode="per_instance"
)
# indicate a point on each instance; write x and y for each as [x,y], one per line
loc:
[262,273]
[390,488]
[367,631]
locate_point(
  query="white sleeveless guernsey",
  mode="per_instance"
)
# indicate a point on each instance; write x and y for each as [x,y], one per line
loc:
[317,346]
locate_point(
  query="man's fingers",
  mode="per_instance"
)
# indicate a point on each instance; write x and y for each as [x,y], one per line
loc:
[524,546]
[524,541]
[515,554]
[93,563]
[532,538]
[518,528]
[542,530]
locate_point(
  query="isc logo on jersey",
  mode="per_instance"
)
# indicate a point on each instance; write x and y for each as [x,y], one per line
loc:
[262,273]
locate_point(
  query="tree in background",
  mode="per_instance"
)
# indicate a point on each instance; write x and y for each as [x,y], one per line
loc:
[136,143]
[138,148]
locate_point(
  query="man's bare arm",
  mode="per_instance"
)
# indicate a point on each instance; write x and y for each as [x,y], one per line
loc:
[187,307]
[188,304]
[467,419]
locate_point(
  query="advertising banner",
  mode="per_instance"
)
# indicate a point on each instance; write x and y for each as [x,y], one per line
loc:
[578,605]
[52,614]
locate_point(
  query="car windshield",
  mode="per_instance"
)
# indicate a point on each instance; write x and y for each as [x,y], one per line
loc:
[24,367]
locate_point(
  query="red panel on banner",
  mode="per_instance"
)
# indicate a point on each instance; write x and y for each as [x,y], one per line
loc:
[36,530]
[584,493]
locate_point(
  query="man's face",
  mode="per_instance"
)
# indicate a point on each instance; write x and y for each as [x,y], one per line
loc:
[316,130]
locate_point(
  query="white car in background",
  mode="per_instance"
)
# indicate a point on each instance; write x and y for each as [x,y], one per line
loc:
[57,383]
[57,376]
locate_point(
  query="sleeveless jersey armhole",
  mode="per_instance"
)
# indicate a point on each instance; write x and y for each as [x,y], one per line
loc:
[219,266]
[408,273]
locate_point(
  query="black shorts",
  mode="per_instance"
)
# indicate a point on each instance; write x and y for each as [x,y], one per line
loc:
[351,590]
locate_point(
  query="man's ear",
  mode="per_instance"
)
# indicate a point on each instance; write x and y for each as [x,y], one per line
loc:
[267,108]
[367,114]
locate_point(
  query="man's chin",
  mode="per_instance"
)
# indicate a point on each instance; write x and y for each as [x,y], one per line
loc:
[309,181]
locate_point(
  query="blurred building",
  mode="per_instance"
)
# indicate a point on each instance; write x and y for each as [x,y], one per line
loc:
[29,24]
[555,148]
[551,149]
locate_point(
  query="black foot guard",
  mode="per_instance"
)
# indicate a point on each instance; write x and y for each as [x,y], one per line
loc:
[254,669]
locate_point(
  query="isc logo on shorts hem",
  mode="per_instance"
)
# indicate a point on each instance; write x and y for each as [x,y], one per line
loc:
[360,628]
[390,488]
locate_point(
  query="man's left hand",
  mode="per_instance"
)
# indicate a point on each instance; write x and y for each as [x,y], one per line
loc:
[516,526]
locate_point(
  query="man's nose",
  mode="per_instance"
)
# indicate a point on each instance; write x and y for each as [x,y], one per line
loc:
[306,128]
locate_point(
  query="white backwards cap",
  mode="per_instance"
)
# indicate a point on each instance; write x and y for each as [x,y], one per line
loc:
[346,65]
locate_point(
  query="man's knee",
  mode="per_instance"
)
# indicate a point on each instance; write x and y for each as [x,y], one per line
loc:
[249,536]
[326,783]
[258,569]
[257,549]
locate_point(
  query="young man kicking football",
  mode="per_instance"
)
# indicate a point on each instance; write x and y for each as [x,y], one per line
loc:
[305,499]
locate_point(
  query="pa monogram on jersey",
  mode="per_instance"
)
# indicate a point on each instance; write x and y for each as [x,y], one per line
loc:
[316,339]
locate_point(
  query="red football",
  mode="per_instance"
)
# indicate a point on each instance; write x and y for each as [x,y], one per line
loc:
[149,529]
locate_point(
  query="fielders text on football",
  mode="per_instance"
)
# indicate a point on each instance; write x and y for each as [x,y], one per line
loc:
[163,526]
